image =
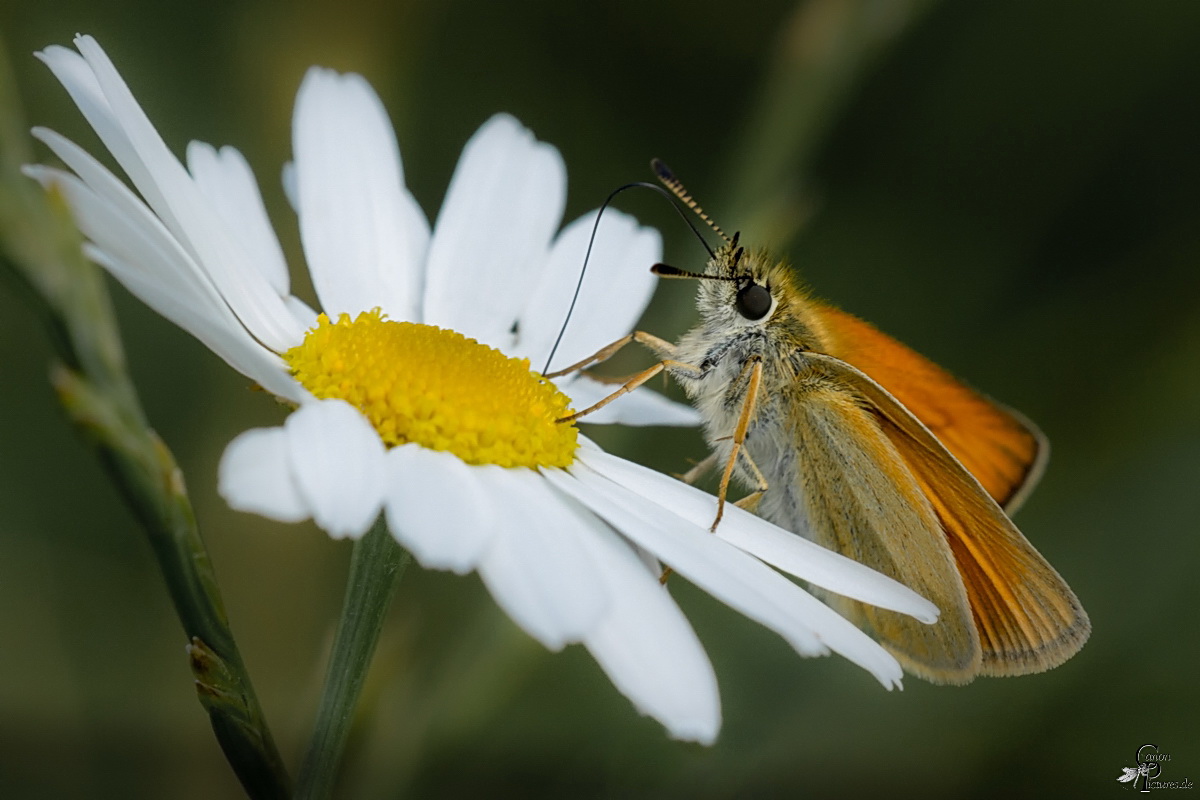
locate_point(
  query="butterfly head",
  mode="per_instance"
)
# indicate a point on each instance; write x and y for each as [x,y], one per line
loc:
[742,290]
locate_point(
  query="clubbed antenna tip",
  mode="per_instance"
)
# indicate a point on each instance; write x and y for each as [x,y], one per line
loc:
[668,179]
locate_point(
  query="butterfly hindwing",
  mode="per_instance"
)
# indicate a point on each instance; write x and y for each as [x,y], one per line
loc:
[856,496]
[1028,619]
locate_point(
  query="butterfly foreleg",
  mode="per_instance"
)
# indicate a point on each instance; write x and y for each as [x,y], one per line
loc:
[634,382]
[752,371]
[661,347]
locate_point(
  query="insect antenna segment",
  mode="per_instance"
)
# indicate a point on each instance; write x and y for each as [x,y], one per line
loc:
[667,271]
[675,186]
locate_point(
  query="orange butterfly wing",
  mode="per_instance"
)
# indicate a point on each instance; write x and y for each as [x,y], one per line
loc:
[1001,448]
[1027,618]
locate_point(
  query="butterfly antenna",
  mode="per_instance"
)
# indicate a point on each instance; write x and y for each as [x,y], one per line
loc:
[592,240]
[664,174]
[667,271]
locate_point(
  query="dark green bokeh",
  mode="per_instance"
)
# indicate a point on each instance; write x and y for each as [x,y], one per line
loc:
[1010,188]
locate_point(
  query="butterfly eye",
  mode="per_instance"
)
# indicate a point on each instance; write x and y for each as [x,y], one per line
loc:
[753,301]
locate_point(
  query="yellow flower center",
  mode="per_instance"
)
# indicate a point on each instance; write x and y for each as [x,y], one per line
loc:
[437,388]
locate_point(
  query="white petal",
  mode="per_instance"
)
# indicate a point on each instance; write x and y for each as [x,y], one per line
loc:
[76,76]
[168,179]
[171,263]
[255,476]
[537,567]
[648,559]
[302,311]
[647,648]
[439,507]
[132,245]
[364,235]
[642,406]
[504,202]
[728,574]
[733,577]
[787,551]
[288,178]
[224,337]
[226,180]
[615,291]
[337,461]
[171,192]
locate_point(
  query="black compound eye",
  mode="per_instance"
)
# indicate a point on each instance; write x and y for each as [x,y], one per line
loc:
[753,301]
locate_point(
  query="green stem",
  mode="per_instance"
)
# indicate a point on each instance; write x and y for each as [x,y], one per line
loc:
[40,251]
[375,570]
[146,474]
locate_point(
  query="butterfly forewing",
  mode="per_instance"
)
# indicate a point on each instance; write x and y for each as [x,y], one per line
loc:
[1001,448]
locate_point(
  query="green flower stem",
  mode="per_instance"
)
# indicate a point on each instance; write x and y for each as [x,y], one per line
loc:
[375,570]
[40,252]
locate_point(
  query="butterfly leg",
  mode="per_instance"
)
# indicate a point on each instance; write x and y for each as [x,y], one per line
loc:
[701,467]
[634,382]
[750,502]
[662,347]
[754,366]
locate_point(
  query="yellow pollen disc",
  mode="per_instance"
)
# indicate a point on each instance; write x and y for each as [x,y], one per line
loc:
[437,388]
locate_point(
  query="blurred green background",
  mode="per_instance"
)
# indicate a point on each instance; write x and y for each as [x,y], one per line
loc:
[1010,188]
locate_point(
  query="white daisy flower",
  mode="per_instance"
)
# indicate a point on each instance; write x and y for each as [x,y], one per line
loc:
[453,441]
